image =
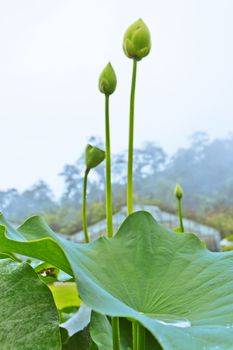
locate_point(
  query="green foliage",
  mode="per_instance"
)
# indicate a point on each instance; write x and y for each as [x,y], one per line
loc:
[78,321]
[28,317]
[230,238]
[69,221]
[69,290]
[80,340]
[176,301]
[220,218]
[227,248]
[101,333]
[173,290]
[155,175]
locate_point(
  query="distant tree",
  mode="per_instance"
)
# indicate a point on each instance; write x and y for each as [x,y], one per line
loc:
[204,169]
[149,162]
[6,198]
[36,200]
[73,178]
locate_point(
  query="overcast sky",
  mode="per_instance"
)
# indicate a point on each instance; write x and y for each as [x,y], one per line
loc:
[52,52]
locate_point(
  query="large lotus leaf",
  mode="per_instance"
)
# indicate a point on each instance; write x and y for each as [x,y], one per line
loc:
[35,239]
[177,289]
[28,316]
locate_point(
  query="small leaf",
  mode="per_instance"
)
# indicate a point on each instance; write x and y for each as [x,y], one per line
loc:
[80,340]
[78,320]
[101,331]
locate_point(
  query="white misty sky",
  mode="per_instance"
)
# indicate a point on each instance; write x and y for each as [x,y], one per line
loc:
[52,52]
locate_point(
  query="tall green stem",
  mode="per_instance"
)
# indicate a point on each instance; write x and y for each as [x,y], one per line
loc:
[134,335]
[108,170]
[84,208]
[180,215]
[131,139]
[115,320]
[140,337]
[115,333]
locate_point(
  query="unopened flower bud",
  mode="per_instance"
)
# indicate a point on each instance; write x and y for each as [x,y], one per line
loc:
[107,80]
[137,42]
[93,156]
[178,192]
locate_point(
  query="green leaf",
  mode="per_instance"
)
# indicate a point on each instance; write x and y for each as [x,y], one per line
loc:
[9,255]
[65,294]
[101,334]
[78,321]
[34,239]
[80,340]
[49,273]
[178,290]
[46,272]
[101,331]
[28,316]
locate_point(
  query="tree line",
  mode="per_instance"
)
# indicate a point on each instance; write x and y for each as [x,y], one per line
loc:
[204,169]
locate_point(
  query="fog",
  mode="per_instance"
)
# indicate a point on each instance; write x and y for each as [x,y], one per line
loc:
[52,53]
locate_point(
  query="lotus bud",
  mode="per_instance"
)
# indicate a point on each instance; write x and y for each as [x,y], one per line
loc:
[137,42]
[93,156]
[178,192]
[108,80]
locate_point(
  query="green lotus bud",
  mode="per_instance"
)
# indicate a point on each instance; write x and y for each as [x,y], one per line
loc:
[137,42]
[93,156]
[178,192]
[108,80]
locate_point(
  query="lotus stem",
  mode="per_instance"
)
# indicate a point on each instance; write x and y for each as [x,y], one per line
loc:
[131,141]
[84,207]
[108,170]
[115,333]
[180,215]
[134,335]
[140,337]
